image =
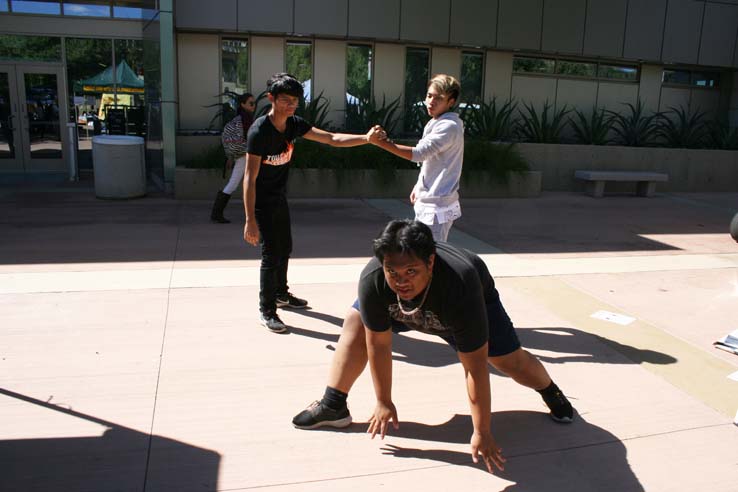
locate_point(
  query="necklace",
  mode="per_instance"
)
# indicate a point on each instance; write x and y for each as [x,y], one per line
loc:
[413,311]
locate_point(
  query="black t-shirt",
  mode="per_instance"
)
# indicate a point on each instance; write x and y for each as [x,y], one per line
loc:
[275,149]
[455,307]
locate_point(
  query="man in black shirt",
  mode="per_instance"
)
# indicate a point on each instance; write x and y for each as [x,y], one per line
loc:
[269,144]
[415,284]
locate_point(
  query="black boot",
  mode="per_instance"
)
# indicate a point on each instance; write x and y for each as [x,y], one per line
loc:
[221,200]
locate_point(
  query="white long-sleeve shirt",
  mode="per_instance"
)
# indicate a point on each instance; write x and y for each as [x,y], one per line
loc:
[441,154]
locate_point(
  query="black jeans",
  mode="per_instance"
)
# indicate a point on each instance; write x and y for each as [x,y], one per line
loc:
[273,219]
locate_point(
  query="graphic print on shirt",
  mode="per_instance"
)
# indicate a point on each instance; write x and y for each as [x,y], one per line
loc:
[279,159]
[423,321]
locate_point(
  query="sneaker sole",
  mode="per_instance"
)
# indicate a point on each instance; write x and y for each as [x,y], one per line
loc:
[274,330]
[338,424]
[285,305]
[561,420]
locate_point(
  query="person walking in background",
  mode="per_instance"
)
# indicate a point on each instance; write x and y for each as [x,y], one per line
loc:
[234,143]
[435,196]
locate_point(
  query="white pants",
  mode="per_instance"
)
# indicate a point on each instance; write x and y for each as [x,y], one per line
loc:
[440,231]
[239,168]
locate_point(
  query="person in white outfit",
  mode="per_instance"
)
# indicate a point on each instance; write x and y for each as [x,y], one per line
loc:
[435,196]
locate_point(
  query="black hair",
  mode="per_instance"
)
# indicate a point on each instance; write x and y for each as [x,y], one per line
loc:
[405,237]
[240,100]
[284,83]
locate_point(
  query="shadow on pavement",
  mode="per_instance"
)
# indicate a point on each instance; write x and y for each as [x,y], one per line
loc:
[541,455]
[580,346]
[119,458]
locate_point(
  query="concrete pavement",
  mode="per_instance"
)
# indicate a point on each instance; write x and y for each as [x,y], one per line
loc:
[131,357]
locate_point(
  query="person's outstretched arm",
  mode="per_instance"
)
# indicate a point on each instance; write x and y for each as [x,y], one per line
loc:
[477,386]
[379,350]
[337,139]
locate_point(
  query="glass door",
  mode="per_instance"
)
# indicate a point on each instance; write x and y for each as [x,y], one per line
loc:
[41,117]
[11,158]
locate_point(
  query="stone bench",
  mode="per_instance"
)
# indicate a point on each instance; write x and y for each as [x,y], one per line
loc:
[646,180]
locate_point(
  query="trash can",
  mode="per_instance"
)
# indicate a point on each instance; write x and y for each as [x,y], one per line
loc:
[119,165]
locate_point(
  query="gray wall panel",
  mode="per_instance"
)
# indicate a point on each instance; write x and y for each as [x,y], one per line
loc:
[605,27]
[425,20]
[218,15]
[474,22]
[328,17]
[519,25]
[682,31]
[644,32]
[376,19]
[563,26]
[273,16]
[718,34]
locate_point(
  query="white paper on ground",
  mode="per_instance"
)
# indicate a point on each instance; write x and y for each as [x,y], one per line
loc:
[735,420]
[734,376]
[619,319]
[730,340]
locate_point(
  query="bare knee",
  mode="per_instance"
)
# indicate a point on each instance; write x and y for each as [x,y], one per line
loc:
[352,333]
[512,363]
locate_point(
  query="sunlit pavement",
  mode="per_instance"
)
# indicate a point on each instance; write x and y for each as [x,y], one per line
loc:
[131,357]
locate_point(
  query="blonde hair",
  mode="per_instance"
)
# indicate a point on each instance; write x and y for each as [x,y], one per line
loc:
[446,84]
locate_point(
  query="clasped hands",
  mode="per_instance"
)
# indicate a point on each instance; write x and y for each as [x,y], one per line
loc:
[377,134]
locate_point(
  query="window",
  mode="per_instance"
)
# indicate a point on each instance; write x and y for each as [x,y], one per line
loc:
[50,7]
[3,5]
[708,80]
[88,8]
[472,75]
[417,62]
[533,65]
[134,9]
[618,72]
[33,48]
[576,69]
[235,65]
[299,61]
[358,73]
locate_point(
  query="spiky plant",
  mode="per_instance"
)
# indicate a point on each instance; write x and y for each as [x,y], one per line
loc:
[488,120]
[367,113]
[635,129]
[678,128]
[543,127]
[593,128]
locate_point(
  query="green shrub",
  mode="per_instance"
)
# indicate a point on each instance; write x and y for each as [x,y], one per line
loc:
[545,127]
[677,128]
[367,113]
[592,129]
[212,157]
[488,120]
[721,136]
[499,159]
[635,129]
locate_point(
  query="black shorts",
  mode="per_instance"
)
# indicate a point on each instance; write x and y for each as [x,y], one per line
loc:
[503,339]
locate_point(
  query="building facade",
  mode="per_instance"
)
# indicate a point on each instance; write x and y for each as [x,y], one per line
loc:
[579,54]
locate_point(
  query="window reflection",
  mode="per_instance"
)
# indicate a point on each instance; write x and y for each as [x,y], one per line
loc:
[134,9]
[42,108]
[7,142]
[89,8]
[3,5]
[34,48]
[49,7]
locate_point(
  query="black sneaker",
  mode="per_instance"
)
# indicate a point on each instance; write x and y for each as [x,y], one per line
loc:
[272,322]
[561,410]
[289,301]
[319,415]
